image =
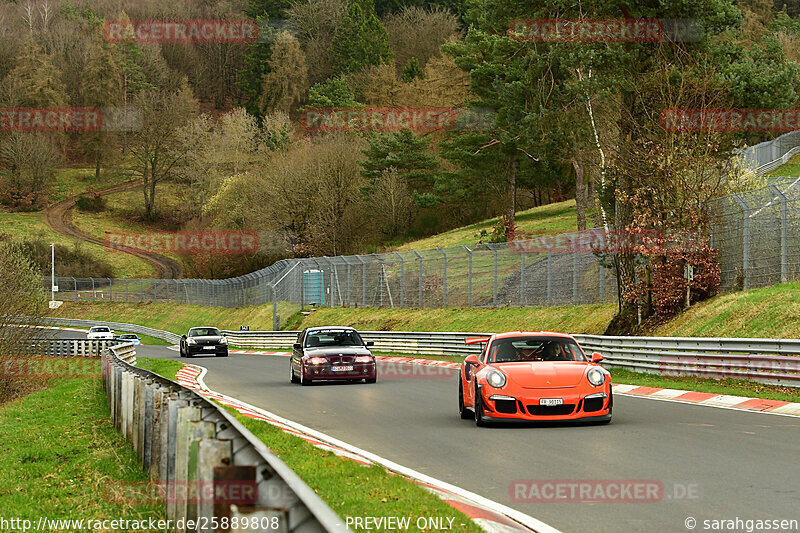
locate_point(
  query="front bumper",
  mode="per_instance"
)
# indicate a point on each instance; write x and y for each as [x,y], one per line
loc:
[325,372]
[214,349]
[590,406]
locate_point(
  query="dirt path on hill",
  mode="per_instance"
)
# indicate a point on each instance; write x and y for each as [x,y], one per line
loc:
[59,218]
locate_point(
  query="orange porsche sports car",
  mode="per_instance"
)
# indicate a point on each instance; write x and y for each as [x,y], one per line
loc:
[533,376]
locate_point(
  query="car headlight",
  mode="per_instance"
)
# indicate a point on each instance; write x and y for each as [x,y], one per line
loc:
[191,341]
[496,379]
[223,340]
[596,377]
[317,361]
[363,359]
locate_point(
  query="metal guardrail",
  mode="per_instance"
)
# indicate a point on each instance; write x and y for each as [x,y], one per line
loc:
[192,447]
[121,326]
[771,361]
[65,347]
[769,155]
[429,343]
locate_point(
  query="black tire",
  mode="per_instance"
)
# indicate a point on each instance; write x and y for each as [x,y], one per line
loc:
[303,380]
[465,413]
[180,350]
[372,380]
[610,408]
[479,421]
[292,377]
[223,354]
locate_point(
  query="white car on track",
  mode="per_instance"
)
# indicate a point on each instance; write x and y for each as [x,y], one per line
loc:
[100,333]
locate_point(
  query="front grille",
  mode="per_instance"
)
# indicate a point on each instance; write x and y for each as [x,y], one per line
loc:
[508,407]
[551,410]
[593,404]
[343,359]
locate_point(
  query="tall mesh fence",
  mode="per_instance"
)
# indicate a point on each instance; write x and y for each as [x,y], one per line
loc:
[523,273]
[756,233]
[769,155]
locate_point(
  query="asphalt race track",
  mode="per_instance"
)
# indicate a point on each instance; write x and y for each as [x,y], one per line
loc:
[713,463]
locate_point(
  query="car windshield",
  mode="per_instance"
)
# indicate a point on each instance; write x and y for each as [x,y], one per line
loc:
[128,337]
[322,338]
[100,329]
[204,332]
[534,349]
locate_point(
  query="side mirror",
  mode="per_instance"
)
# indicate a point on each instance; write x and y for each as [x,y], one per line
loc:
[369,343]
[223,334]
[596,357]
[297,346]
[469,362]
[183,337]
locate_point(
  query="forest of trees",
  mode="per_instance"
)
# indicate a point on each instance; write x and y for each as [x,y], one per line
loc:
[566,120]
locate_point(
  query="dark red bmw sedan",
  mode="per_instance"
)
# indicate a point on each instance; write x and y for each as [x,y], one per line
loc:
[331,353]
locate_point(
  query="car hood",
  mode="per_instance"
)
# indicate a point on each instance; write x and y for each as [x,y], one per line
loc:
[544,374]
[337,350]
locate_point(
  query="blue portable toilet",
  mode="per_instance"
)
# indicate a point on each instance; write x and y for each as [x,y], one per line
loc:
[314,287]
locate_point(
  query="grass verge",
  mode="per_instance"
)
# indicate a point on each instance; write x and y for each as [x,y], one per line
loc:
[769,312]
[589,319]
[28,226]
[550,219]
[163,367]
[61,454]
[790,168]
[177,318]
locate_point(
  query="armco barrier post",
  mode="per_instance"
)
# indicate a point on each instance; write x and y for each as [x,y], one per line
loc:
[154,433]
[211,453]
[136,416]
[147,423]
[158,466]
[199,430]
[177,484]
[172,445]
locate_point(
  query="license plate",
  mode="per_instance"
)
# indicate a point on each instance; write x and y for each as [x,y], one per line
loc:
[341,368]
[209,347]
[551,401]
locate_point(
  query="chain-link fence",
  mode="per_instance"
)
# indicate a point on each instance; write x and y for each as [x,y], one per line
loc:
[558,271]
[769,155]
[757,234]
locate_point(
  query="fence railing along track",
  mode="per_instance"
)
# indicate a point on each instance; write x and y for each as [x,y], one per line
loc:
[201,456]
